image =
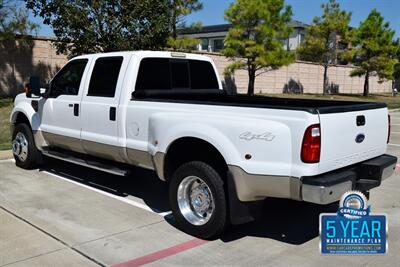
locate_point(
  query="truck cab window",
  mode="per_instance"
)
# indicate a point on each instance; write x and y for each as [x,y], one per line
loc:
[154,74]
[165,74]
[68,80]
[202,75]
[103,81]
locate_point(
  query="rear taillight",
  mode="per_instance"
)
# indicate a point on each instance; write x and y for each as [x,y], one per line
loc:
[388,138]
[311,146]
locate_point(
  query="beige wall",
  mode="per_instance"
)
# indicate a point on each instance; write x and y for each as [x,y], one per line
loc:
[309,75]
[37,57]
[24,58]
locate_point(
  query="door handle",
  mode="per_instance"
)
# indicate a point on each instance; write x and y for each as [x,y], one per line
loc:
[70,105]
[113,112]
[76,110]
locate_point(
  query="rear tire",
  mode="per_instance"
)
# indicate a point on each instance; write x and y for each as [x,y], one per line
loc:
[25,152]
[366,194]
[197,198]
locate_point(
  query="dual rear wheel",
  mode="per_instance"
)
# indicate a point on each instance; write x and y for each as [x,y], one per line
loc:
[198,201]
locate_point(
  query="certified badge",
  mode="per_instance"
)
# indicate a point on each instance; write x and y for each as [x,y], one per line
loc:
[353,229]
[353,205]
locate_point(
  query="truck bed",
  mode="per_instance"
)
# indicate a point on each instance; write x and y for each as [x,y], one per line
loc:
[219,97]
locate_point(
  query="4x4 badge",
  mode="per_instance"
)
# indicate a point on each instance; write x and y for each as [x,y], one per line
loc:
[248,136]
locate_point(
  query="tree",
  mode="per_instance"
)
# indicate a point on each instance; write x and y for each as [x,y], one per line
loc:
[396,71]
[320,43]
[82,26]
[182,43]
[14,21]
[254,42]
[374,51]
[179,10]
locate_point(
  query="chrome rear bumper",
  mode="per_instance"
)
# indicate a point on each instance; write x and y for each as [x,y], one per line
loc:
[321,189]
[328,188]
[324,194]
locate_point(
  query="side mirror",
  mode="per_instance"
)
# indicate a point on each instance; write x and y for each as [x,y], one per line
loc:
[33,87]
[44,90]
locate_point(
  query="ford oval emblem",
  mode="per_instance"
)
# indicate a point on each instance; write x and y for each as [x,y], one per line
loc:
[360,138]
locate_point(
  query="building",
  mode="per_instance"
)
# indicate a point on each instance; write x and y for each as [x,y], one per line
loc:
[212,36]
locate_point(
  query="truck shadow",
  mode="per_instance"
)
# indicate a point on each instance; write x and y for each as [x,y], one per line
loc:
[283,220]
[142,183]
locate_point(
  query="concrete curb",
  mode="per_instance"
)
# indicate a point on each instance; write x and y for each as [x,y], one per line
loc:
[6,154]
[394,110]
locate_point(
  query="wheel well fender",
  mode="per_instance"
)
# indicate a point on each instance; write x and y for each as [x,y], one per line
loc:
[186,149]
[24,113]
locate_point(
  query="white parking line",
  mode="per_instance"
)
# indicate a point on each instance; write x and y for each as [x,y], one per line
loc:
[125,200]
[394,145]
[7,160]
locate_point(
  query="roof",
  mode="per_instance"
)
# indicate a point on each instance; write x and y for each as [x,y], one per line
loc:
[148,53]
[207,29]
[297,24]
[227,26]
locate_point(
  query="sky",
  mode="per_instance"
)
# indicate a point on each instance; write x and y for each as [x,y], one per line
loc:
[303,10]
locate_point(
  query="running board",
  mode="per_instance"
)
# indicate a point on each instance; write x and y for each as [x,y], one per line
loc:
[86,163]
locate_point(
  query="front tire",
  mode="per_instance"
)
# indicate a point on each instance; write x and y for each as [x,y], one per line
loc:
[197,197]
[24,150]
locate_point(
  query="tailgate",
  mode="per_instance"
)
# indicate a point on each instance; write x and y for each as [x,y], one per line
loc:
[351,137]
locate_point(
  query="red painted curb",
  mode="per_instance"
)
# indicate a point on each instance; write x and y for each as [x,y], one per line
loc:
[155,256]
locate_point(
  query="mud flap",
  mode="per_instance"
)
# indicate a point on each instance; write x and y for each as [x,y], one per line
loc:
[241,212]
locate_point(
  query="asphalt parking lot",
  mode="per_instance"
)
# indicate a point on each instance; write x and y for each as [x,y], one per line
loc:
[66,215]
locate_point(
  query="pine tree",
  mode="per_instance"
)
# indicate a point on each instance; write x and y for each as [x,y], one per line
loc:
[254,43]
[179,10]
[320,44]
[374,51]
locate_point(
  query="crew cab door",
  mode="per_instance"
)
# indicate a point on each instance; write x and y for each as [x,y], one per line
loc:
[100,114]
[60,114]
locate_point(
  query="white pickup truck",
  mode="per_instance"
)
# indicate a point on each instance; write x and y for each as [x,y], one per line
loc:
[219,153]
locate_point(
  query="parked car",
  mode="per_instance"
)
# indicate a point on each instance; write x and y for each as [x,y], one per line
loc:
[220,154]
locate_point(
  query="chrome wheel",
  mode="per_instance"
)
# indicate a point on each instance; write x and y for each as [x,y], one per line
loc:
[195,200]
[20,147]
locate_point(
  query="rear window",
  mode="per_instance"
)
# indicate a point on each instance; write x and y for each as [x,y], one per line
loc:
[105,76]
[154,74]
[202,75]
[179,74]
[165,74]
